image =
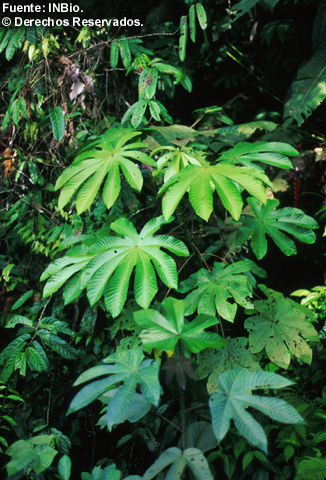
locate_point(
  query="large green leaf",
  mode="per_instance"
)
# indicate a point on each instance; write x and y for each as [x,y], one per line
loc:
[235,354]
[311,468]
[126,368]
[64,467]
[138,408]
[234,397]
[268,220]
[200,181]
[308,89]
[282,327]
[211,290]
[106,266]
[270,153]
[178,460]
[165,332]
[35,452]
[103,160]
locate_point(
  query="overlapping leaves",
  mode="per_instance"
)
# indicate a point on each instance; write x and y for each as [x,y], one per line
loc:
[271,153]
[200,181]
[235,354]
[282,327]
[234,397]
[268,220]
[36,453]
[127,369]
[106,266]
[104,158]
[211,291]
[27,349]
[177,460]
[172,159]
[165,332]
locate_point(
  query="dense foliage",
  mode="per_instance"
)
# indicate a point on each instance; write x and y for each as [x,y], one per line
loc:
[162,218]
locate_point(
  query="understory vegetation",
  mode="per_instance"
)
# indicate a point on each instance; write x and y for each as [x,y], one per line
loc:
[162,212]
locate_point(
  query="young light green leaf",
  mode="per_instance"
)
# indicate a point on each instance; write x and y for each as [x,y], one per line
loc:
[201,15]
[173,159]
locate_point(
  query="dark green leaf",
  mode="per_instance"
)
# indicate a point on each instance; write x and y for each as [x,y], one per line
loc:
[57,123]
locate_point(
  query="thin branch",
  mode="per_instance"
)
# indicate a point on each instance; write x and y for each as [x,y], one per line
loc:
[180,269]
[40,318]
[202,257]
[168,421]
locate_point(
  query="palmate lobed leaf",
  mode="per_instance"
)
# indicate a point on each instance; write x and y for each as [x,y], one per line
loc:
[126,368]
[211,290]
[234,396]
[282,327]
[270,153]
[103,160]
[268,220]
[106,265]
[177,460]
[165,332]
[201,181]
